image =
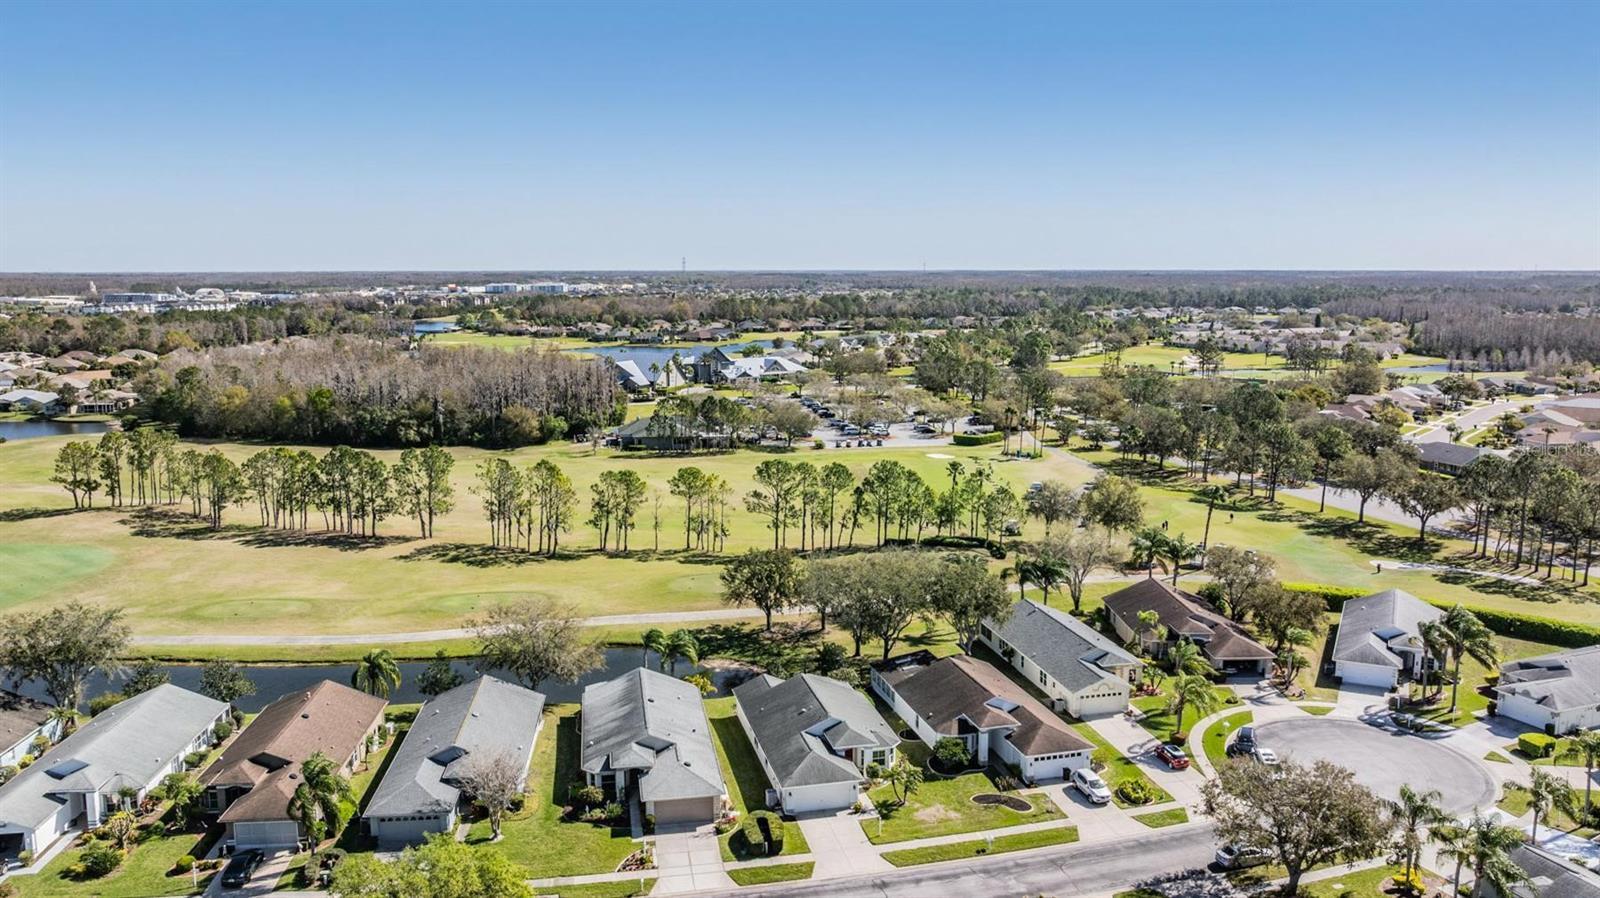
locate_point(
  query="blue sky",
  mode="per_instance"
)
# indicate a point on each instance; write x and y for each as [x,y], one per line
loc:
[235,136]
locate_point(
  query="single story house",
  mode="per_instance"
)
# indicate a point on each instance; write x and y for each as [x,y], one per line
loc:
[106,402]
[1549,876]
[23,720]
[1084,673]
[1448,458]
[629,375]
[1380,639]
[1223,642]
[815,737]
[1558,693]
[645,734]
[421,792]
[249,787]
[132,746]
[963,698]
[39,402]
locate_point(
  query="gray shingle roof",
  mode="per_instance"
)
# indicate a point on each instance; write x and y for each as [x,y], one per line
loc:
[953,693]
[125,745]
[1371,626]
[1553,877]
[655,725]
[1221,640]
[1558,681]
[20,717]
[478,719]
[801,724]
[1073,653]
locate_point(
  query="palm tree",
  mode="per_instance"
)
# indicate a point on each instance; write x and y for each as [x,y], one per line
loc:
[1411,813]
[1147,544]
[376,673]
[653,640]
[68,719]
[681,644]
[1178,549]
[1485,847]
[317,798]
[1434,648]
[1465,636]
[1185,658]
[1211,493]
[1546,792]
[1289,658]
[1191,691]
[1588,744]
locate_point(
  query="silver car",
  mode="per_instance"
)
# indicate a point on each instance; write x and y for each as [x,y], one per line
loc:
[1091,785]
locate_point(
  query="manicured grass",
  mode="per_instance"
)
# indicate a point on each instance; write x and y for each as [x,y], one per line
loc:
[176,576]
[747,782]
[1214,742]
[1058,835]
[1469,700]
[631,888]
[1317,710]
[1497,758]
[1158,719]
[755,876]
[943,806]
[536,836]
[143,874]
[1158,819]
[1517,802]
[1373,882]
[1115,767]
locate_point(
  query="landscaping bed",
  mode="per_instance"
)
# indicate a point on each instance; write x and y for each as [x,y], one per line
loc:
[1007,801]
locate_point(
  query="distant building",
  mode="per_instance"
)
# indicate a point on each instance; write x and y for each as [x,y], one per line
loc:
[1558,693]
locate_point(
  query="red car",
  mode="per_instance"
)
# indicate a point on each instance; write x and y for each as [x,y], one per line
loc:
[1172,756]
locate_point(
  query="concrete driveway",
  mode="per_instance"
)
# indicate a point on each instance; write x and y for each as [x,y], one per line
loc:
[262,883]
[688,859]
[1384,760]
[839,845]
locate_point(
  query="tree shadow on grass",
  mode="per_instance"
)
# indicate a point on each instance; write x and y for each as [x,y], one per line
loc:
[154,523]
[14,515]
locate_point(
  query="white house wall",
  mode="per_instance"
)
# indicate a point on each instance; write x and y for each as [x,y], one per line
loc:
[1357,674]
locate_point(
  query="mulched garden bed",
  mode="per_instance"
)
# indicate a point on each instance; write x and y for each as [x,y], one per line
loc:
[1020,805]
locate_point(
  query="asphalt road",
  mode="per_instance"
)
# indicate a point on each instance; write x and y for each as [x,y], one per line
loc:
[1057,872]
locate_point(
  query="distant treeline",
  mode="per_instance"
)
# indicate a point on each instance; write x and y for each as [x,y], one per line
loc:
[1469,325]
[362,392]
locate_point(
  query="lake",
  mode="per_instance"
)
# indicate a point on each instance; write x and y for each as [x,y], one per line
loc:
[647,354]
[26,430]
[433,327]
[274,681]
[1438,368]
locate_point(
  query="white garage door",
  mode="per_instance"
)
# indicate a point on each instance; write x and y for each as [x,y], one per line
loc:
[1365,674]
[831,797]
[1102,705]
[686,810]
[266,834]
[394,834]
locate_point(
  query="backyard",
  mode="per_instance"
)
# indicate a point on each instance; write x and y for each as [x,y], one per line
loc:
[747,782]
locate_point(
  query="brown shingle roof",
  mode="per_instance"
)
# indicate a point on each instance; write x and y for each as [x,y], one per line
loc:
[1184,614]
[958,688]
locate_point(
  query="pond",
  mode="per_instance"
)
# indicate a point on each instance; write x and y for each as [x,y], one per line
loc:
[275,680]
[647,354]
[1439,368]
[433,327]
[26,430]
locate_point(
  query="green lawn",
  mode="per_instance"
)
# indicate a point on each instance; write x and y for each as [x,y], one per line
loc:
[747,782]
[943,806]
[144,874]
[1058,835]
[1469,700]
[1115,767]
[1317,710]
[536,837]
[1516,801]
[1168,817]
[1158,718]
[175,576]
[1497,758]
[1214,742]
[631,888]
[755,876]
[1373,882]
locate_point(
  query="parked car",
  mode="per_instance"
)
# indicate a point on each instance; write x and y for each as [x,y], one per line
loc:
[1266,756]
[1091,785]
[1243,744]
[1172,756]
[1238,857]
[240,868]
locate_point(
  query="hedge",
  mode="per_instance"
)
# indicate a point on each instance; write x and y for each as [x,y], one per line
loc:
[772,840]
[977,439]
[1512,624]
[994,547]
[1536,745]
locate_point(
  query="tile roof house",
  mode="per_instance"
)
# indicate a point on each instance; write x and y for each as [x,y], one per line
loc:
[963,698]
[1558,693]
[23,720]
[1083,672]
[421,790]
[1379,640]
[132,745]
[645,733]
[251,784]
[814,737]
[1224,643]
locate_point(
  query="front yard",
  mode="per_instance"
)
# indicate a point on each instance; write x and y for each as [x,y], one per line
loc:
[537,837]
[1214,741]
[747,782]
[1117,768]
[146,872]
[1157,718]
[943,806]
[1473,674]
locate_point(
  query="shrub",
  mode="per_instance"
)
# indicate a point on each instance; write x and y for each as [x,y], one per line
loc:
[1536,745]
[7,772]
[763,832]
[951,753]
[589,796]
[7,890]
[1412,884]
[184,864]
[222,730]
[1135,791]
[977,439]
[103,701]
[40,744]
[612,811]
[26,761]
[874,771]
[816,444]
[25,858]
[194,759]
[99,859]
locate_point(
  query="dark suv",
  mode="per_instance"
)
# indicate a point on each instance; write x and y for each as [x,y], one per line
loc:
[1243,744]
[239,870]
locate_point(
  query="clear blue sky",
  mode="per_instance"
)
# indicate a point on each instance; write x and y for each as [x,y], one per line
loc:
[229,136]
